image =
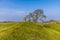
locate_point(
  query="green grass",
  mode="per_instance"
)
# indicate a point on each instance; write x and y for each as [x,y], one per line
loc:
[29,31]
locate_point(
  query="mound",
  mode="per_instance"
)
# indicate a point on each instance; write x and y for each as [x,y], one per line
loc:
[28,31]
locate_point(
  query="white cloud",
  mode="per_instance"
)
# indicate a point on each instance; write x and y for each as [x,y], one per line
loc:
[11,14]
[9,11]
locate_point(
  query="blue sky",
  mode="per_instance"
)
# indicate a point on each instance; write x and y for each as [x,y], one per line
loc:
[15,10]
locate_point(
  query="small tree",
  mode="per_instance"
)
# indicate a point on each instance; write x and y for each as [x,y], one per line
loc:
[24,19]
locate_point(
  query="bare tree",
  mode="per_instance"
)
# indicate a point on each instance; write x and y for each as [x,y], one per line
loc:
[36,15]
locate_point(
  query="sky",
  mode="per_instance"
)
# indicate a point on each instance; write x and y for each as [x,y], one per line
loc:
[16,10]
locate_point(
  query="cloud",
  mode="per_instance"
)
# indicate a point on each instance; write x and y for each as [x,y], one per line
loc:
[11,14]
[10,11]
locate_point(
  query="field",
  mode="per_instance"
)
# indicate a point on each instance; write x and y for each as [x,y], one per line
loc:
[29,31]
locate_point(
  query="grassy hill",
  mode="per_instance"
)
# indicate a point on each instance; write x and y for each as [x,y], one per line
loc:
[29,31]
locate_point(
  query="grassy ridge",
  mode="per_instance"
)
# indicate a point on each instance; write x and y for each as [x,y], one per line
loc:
[29,31]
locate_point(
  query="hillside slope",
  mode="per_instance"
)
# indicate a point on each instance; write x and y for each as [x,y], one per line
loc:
[29,31]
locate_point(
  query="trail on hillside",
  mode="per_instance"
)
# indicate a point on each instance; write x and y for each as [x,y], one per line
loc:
[6,28]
